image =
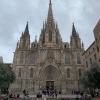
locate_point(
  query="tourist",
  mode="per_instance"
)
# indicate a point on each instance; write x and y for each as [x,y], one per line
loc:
[26,97]
[18,97]
[6,97]
[24,92]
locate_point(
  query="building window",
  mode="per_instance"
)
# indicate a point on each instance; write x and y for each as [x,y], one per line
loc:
[96,39]
[79,72]
[65,46]
[43,41]
[86,64]
[19,74]
[33,58]
[22,58]
[50,36]
[78,59]
[67,59]
[99,60]
[76,42]
[56,39]
[90,61]
[95,56]
[34,45]
[97,49]
[31,73]
[68,73]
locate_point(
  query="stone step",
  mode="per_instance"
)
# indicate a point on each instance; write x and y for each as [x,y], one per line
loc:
[51,98]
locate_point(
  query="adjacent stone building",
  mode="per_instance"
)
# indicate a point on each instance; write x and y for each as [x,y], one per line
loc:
[48,63]
[92,53]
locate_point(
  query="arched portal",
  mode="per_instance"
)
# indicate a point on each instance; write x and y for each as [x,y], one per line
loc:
[50,78]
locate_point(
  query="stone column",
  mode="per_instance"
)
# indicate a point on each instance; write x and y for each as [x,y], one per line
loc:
[36,87]
[63,86]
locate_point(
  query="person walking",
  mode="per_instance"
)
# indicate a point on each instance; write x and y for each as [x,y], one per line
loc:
[26,97]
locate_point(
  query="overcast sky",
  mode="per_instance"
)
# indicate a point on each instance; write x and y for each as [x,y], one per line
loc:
[14,15]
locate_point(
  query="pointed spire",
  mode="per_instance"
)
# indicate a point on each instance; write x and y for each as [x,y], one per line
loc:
[43,25]
[50,13]
[74,33]
[26,29]
[22,35]
[35,39]
[82,46]
[50,2]
[17,45]
[56,25]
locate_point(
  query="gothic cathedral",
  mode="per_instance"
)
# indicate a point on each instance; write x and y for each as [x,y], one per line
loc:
[48,63]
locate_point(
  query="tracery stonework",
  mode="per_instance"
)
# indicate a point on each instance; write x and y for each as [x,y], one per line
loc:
[41,64]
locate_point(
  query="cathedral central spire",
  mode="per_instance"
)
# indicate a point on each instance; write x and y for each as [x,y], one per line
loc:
[26,29]
[50,2]
[74,33]
[50,32]
[50,13]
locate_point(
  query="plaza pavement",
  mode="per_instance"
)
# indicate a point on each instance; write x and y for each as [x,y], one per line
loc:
[96,98]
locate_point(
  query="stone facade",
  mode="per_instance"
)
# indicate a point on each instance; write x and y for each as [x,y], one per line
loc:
[50,62]
[92,53]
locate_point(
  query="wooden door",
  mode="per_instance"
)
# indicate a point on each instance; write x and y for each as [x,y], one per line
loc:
[49,85]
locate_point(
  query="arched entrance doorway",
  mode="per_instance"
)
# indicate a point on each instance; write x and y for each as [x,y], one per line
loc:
[50,78]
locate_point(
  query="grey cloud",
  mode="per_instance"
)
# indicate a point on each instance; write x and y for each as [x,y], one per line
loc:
[15,13]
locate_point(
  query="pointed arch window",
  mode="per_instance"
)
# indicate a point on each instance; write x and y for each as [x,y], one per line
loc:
[31,73]
[90,61]
[78,59]
[97,49]
[33,59]
[22,58]
[87,64]
[43,38]
[19,74]
[80,72]
[76,43]
[68,73]
[67,59]
[50,36]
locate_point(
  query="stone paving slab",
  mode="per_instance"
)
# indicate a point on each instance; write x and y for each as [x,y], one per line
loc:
[96,98]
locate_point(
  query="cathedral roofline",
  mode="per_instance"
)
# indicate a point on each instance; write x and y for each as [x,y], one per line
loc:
[89,47]
[96,26]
